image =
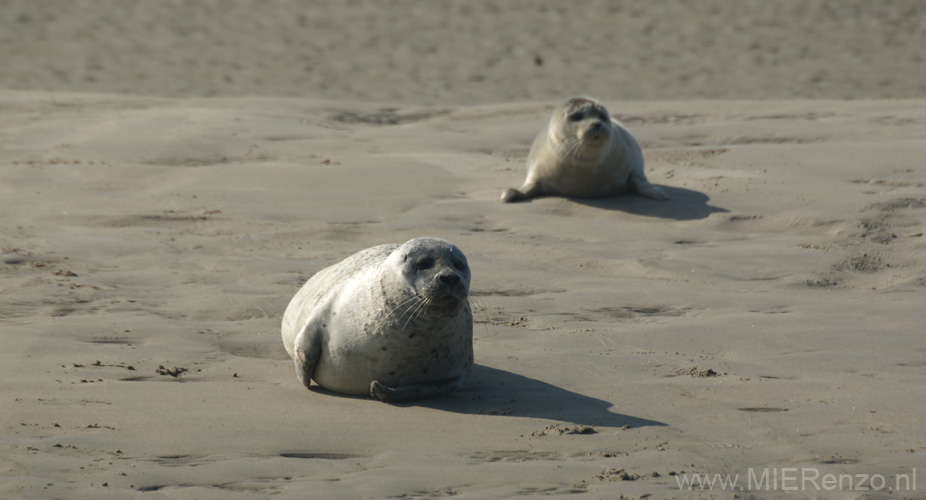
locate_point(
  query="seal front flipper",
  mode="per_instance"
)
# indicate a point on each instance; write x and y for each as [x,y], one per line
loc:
[510,195]
[528,190]
[415,391]
[306,352]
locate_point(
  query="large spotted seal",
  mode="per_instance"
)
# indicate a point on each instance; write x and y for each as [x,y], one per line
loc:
[583,153]
[392,321]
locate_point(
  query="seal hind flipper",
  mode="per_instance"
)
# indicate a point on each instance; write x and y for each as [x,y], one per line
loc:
[512,194]
[306,353]
[640,185]
[415,391]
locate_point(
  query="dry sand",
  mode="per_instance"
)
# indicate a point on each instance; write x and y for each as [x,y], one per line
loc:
[468,52]
[769,316]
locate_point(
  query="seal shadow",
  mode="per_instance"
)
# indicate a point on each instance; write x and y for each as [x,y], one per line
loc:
[490,391]
[683,204]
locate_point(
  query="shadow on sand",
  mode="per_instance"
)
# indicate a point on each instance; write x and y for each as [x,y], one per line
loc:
[683,204]
[490,391]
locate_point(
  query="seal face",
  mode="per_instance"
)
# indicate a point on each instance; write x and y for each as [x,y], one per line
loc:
[391,321]
[583,153]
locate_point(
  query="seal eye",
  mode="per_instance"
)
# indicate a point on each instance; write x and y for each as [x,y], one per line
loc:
[458,265]
[576,116]
[425,263]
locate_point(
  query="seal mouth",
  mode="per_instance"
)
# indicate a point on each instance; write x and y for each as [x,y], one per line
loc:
[595,132]
[449,295]
[425,304]
[437,302]
[446,291]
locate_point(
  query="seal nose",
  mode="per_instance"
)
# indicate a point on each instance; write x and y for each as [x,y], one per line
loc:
[449,279]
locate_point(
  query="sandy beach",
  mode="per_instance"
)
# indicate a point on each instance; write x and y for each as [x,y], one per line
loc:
[170,177]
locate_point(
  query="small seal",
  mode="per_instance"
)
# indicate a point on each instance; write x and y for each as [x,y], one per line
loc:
[583,153]
[392,322]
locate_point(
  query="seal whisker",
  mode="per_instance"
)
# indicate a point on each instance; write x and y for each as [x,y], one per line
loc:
[480,308]
[392,310]
[421,306]
[580,150]
[568,152]
[411,304]
[413,311]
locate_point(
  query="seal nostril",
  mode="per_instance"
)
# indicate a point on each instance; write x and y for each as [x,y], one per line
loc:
[449,279]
